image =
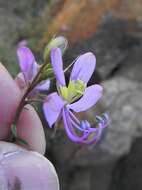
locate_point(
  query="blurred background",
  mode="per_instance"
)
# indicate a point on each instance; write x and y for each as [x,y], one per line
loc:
[112,29]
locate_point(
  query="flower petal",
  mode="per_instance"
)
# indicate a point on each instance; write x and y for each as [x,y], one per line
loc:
[33,70]
[57,64]
[84,67]
[44,85]
[26,58]
[91,95]
[52,108]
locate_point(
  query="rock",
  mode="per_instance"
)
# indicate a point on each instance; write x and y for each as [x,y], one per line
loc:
[68,12]
[136,7]
[101,176]
[110,46]
[128,171]
[122,97]
[83,176]
[132,67]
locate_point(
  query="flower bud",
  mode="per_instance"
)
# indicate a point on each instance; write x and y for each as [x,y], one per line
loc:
[58,42]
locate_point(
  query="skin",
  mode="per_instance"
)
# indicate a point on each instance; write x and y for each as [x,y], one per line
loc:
[29,125]
[29,128]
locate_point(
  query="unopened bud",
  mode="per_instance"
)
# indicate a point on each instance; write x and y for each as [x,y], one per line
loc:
[58,42]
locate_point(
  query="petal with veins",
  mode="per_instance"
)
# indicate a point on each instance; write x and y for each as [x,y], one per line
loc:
[84,67]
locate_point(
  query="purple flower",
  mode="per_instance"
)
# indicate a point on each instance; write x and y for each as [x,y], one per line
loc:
[29,68]
[76,97]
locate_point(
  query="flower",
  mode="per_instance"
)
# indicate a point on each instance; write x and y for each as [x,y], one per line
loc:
[29,68]
[76,97]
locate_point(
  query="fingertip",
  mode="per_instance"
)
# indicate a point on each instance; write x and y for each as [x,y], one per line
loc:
[25,169]
[29,128]
[10,96]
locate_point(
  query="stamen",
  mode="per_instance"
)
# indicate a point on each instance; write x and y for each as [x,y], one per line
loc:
[68,127]
[86,130]
[104,119]
[72,115]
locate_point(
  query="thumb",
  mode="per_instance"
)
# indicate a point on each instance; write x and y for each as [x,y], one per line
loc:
[22,169]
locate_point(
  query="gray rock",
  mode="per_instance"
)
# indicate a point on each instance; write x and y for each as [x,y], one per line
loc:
[111,43]
[133,64]
[101,176]
[83,176]
[123,100]
[128,171]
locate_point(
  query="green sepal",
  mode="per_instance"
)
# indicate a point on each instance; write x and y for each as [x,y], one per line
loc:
[45,72]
